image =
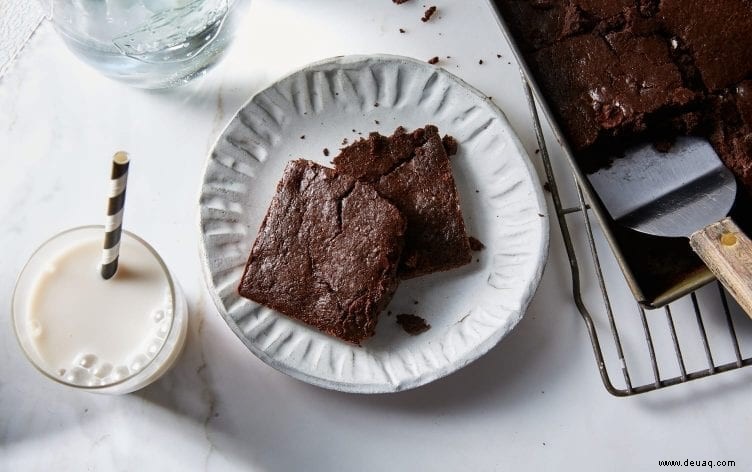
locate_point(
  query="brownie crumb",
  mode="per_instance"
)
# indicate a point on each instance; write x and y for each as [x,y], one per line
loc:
[326,152]
[547,187]
[537,151]
[389,313]
[428,14]
[415,302]
[450,145]
[433,60]
[402,30]
[377,122]
[475,244]
[498,56]
[376,104]
[400,2]
[412,324]
[302,136]
[480,61]
[664,145]
[345,142]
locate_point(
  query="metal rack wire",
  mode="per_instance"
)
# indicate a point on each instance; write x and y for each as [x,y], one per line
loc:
[636,329]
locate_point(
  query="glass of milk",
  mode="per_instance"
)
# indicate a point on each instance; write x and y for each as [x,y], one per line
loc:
[148,43]
[106,336]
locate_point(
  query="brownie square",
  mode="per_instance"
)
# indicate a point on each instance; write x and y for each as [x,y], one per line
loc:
[608,85]
[539,23]
[327,252]
[717,34]
[732,134]
[412,170]
[534,24]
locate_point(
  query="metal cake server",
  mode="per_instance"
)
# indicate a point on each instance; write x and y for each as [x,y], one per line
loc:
[686,192]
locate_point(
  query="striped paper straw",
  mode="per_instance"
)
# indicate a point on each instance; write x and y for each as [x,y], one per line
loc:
[115,206]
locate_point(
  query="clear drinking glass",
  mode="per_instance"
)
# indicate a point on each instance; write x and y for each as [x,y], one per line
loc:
[148,43]
[147,351]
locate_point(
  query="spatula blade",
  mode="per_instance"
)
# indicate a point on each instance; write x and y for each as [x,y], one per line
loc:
[667,194]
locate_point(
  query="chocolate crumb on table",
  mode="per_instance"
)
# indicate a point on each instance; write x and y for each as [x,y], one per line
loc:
[412,324]
[428,14]
[326,152]
[400,2]
[302,136]
[476,245]
[402,30]
[433,60]
[547,187]
[480,61]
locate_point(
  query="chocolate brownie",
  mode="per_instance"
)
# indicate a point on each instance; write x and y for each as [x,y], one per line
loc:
[327,252]
[412,170]
[608,86]
[670,67]
[732,134]
[540,23]
[717,35]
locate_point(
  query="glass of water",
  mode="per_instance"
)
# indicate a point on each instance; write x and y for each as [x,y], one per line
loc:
[148,43]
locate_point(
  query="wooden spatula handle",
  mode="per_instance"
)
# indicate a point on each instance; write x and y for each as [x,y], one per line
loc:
[727,252]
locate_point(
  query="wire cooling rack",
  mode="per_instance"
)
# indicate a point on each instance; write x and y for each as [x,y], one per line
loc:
[694,337]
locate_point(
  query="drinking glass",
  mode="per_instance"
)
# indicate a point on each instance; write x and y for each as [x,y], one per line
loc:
[148,43]
[157,359]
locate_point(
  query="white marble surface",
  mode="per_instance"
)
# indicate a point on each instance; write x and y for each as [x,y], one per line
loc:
[535,402]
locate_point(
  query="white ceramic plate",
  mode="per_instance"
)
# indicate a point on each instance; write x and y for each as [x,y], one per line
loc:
[469,309]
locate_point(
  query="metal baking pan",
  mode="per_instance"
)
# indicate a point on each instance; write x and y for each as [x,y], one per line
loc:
[657,270]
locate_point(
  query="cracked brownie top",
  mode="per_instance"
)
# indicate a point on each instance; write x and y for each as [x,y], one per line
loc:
[327,252]
[412,170]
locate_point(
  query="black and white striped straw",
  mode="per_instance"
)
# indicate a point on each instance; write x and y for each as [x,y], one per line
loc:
[115,207]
